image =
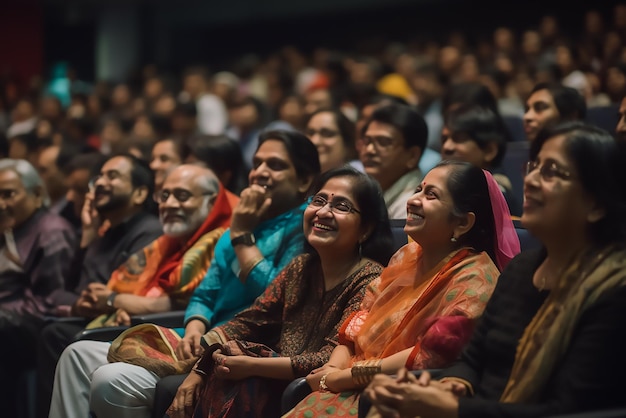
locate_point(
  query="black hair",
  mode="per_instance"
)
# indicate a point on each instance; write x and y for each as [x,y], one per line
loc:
[92,162]
[346,127]
[182,149]
[482,125]
[406,120]
[221,154]
[469,93]
[187,109]
[470,193]
[302,152]
[568,101]
[141,176]
[599,162]
[368,195]
[29,139]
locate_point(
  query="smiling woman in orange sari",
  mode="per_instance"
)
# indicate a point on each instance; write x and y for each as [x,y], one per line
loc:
[421,311]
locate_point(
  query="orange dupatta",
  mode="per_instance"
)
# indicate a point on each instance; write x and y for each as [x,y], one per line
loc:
[404,306]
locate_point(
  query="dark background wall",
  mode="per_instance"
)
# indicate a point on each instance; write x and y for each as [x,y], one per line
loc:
[174,34]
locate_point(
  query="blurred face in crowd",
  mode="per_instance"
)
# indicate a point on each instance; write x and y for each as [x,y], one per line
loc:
[541,111]
[292,112]
[185,201]
[24,110]
[50,108]
[50,173]
[459,146]
[194,84]
[120,96]
[384,155]
[77,183]
[323,131]
[16,203]
[165,156]
[317,99]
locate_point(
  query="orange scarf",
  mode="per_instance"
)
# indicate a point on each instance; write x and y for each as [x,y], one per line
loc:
[403,306]
[157,269]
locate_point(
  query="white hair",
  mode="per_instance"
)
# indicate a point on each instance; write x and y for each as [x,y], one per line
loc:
[29,177]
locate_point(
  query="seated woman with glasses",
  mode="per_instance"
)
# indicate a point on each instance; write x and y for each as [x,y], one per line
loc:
[292,328]
[333,134]
[551,340]
[422,310]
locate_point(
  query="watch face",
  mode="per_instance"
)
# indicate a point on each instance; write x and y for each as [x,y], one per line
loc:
[245,239]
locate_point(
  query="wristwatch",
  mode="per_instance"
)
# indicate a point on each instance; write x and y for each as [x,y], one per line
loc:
[111,299]
[246,239]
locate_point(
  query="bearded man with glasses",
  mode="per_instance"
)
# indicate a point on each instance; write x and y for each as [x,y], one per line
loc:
[194,211]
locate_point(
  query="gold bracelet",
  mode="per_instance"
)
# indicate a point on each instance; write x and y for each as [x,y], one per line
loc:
[247,268]
[364,371]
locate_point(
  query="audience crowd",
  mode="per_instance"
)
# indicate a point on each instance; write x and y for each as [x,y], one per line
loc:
[258,200]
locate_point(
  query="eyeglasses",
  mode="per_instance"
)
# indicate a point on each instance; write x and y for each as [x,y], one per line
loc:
[324,133]
[548,171]
[378,141]
[341,207]
[181,195]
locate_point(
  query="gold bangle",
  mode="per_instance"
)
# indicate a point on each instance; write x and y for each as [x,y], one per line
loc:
[364,371]
[247,268]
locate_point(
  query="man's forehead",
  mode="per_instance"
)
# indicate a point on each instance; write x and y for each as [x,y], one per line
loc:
[10,179]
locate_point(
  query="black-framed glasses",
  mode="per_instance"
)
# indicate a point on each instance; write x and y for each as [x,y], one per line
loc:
[340,207]
[548,171]
[379,141]
[181,195]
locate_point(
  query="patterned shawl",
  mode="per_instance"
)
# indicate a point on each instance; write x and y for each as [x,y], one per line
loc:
[434,313]
[547,337]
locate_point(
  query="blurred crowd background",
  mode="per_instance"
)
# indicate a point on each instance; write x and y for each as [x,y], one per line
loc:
[119,75]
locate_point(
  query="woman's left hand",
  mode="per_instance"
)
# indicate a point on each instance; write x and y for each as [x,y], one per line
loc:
[232,367]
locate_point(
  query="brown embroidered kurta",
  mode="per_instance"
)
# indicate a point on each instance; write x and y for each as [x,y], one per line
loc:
[297,319]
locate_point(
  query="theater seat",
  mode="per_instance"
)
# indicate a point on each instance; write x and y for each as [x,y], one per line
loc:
[526,240]
[400,237]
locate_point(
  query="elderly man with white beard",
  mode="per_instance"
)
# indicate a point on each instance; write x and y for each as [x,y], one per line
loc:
[194,210]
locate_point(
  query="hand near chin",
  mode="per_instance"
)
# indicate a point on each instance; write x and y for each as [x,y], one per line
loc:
[90,220]
[250,210]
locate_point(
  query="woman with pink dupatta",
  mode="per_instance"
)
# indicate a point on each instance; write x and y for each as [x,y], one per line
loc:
[421,311]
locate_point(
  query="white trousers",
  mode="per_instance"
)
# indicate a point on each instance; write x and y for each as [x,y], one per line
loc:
[84,381]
